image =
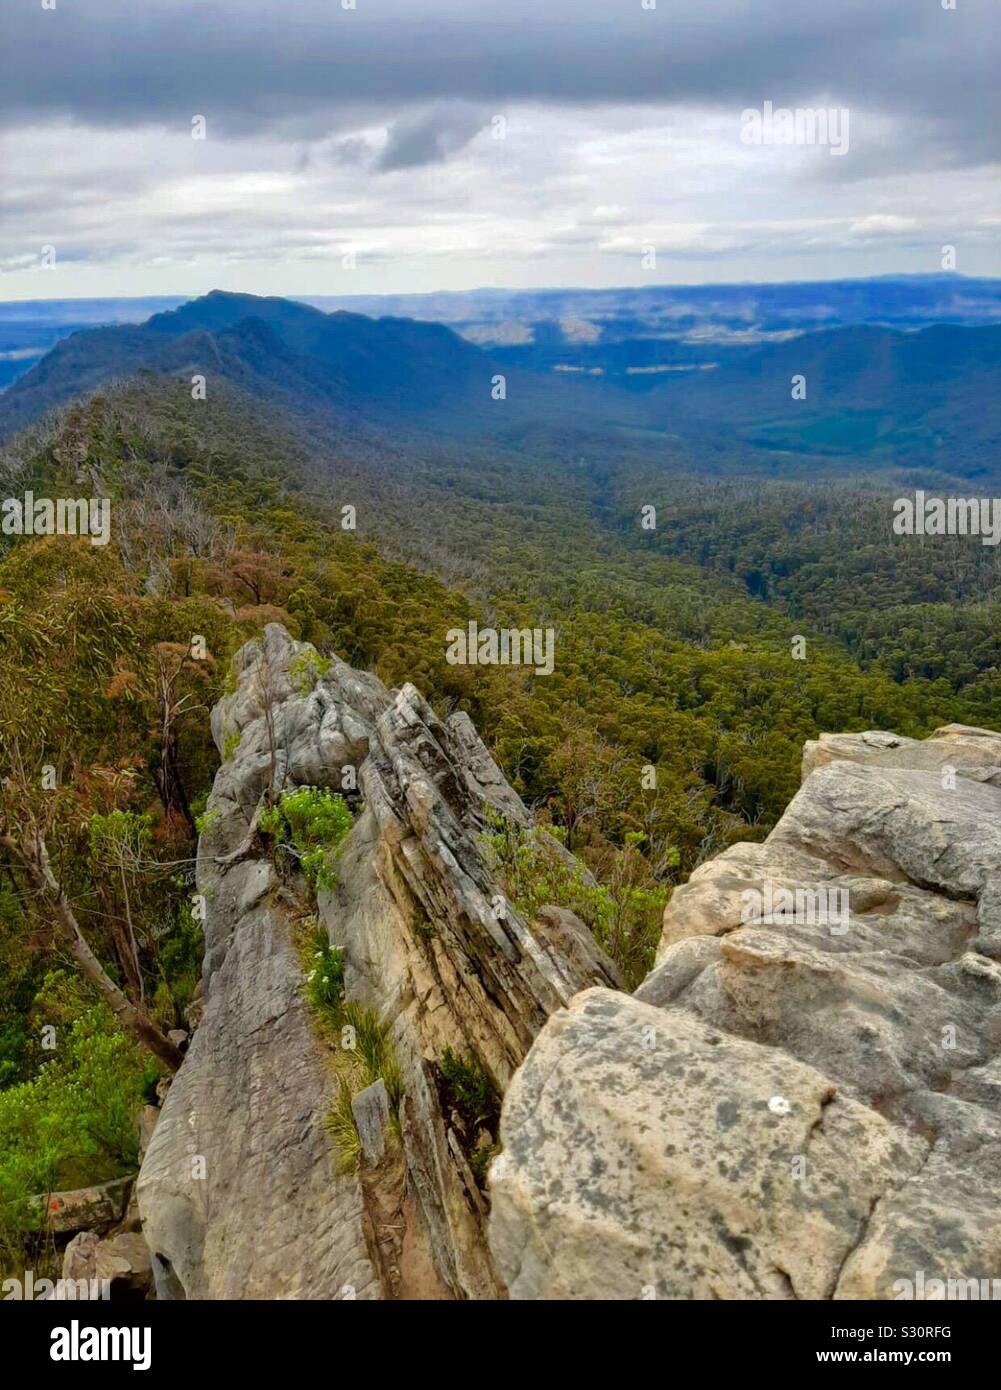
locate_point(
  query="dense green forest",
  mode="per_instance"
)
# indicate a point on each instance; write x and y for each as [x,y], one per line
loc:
[674,652]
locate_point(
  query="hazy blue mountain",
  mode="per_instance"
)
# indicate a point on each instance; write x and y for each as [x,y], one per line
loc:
[30,328]
[874,394]
[272,347]
[653,324]
[692,314]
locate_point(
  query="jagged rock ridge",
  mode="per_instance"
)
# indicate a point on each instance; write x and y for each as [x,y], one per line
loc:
[239,1193]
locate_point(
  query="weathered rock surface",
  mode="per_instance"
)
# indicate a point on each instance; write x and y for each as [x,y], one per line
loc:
[83,1208]
[121,1264]
[434,946]
[799,1101]
[644,1152]
[370,1108]
[803,1099]
[239,1193]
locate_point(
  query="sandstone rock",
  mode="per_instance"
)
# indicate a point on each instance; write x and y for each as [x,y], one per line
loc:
[974,753]
[131,1222]
[565,935]
[125,1260]
[119,1266]
[80,1261]
[889,1007]
[148,1117]
[370,1108]
[432,943]
[84,1208]
[646,1152]
[239,1171]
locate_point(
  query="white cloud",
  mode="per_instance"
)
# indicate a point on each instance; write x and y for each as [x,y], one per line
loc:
[882,222]
[572,195]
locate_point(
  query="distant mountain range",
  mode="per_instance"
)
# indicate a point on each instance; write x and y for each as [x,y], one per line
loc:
[692,314]
[671,318]
[926,397]
[29,328]
[273,348]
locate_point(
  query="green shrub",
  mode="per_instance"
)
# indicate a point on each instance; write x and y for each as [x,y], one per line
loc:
[325,980]
[72,1125]
[306,670]
[180,954]
[624,918]
[307,825]
[206,820]
[471,1090]
[374,1052]
[362,1049]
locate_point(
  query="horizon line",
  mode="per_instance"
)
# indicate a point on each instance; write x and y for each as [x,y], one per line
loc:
[187,296]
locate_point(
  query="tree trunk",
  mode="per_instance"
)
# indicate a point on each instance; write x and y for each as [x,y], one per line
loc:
[35,862]
[168,776]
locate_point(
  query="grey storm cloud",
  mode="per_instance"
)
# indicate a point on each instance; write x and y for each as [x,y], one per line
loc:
[429,137]
[308,68]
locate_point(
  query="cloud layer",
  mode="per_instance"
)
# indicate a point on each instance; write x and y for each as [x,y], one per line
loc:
[445,144]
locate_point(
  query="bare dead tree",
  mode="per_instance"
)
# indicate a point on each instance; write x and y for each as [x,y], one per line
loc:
[29,851]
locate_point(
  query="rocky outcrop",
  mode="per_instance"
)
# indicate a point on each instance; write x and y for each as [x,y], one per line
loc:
[239,1191]
[84,1208]
[118,1266]
[803,1100]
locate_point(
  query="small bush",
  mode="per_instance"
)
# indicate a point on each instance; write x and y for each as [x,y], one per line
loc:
[374,1052]
[341,1125]
[307,825]
[325,980]
[361,1047]
[471,1090]
[625,918]
[73,1124]
[306,670]
[206,820]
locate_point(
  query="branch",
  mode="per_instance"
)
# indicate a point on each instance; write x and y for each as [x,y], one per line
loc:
[37,866]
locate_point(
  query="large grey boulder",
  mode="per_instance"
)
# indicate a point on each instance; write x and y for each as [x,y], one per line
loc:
[680,1139]
[649,1155]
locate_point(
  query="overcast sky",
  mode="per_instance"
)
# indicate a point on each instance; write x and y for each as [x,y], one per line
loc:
[356,150]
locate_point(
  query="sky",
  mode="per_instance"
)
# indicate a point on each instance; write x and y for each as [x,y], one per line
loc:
[390,146]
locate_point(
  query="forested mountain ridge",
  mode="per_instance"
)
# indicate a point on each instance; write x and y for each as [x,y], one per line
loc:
[922,398]
[353,366]
[635,326]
